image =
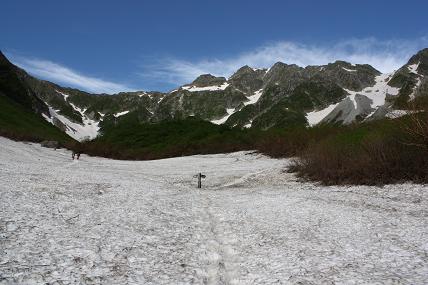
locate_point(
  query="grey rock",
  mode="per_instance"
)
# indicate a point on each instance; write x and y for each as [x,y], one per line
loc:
[247,80]
[50,144]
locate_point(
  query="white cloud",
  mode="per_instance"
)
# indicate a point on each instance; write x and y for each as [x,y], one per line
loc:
[63,75]
[385,56]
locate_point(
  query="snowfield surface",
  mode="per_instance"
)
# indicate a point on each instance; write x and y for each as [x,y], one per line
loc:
[101,221]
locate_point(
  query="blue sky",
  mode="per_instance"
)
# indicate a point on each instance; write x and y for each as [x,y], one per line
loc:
[111,46]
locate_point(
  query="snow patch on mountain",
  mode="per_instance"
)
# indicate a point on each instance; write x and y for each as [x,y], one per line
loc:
[63,94]
[86,131]
[224,119]
[254,98]
[376,93]
[247,126]
[121,113]
[413,68]
[206,88]
[315,117]
[349,70]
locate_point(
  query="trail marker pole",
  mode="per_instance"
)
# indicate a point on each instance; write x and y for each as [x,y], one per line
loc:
[199,176]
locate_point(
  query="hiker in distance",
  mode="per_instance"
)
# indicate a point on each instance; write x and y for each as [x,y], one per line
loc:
[75,154]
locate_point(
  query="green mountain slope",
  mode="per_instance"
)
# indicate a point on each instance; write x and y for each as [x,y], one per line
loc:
[21,110]
[18,122]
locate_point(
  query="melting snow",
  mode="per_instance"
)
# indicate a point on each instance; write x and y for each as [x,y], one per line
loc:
[224,119]
[101,221]
[414,68]
[315,117]
[206,88]
[350,70]
[63,94]
[377,93]
[393,114]
[121,113]
[254,98]
[88,130]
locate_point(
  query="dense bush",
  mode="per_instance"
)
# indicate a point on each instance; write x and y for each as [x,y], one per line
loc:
[169,139]
[375,153]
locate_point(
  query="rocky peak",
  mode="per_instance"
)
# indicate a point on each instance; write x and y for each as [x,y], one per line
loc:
[285,75]
[341,63]
[208,80]
[245,70]
[283,66]
[247,80]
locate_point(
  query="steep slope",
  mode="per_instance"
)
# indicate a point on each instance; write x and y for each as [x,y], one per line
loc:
[12,87]
[411,79]
[22,112]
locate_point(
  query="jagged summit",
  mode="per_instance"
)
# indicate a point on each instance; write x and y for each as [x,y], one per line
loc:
[244,70]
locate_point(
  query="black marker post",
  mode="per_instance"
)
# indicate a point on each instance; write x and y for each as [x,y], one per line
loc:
[199,176]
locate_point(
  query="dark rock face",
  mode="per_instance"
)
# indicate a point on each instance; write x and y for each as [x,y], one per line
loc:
[13,87]
[284,75]
[247,79]
[346,75]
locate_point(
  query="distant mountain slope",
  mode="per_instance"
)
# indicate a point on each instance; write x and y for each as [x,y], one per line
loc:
[22,112]
[283,95]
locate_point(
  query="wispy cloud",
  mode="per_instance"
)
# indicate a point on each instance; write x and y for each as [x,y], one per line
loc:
[385,56]
[60,74]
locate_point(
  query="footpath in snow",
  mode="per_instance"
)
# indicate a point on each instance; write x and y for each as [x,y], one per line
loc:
[101,221]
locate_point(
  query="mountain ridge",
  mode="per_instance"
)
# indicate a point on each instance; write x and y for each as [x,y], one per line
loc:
[283,95]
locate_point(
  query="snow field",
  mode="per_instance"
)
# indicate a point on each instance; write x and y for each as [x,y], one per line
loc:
[101,221]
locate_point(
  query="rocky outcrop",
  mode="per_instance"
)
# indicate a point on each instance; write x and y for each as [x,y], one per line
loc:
[208,80]
[247,79]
